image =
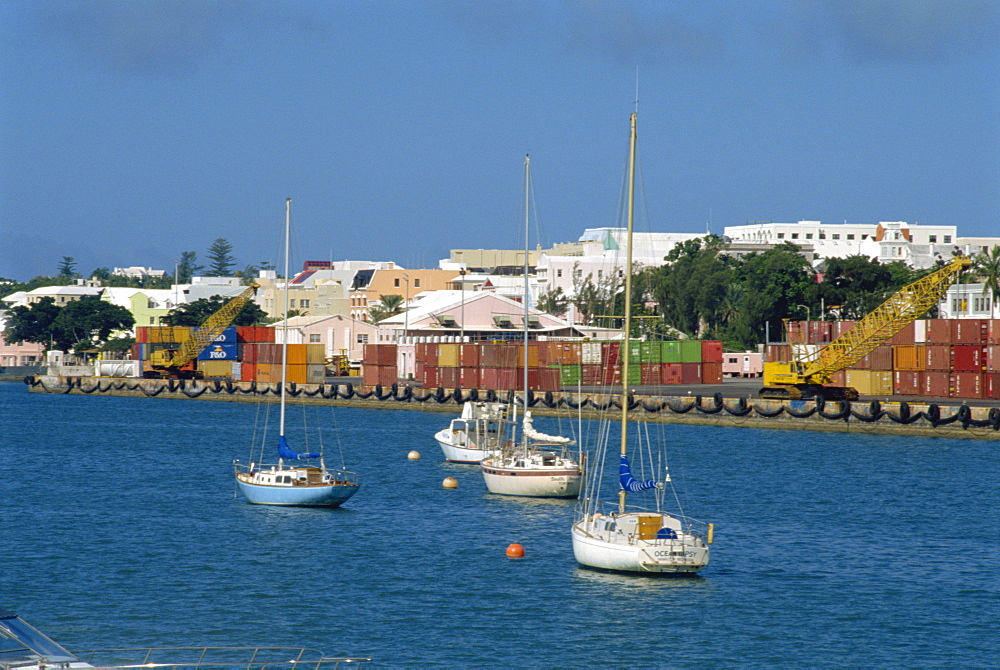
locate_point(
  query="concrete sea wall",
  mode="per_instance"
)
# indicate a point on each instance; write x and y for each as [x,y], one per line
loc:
[917,419]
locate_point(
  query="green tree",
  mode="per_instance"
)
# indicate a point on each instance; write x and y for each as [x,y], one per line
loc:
[32,323]
[187,267]
[986,268]
[247,274]
[553,301]
[195,313]
[388,305]
[593,298]
[67,268]
[88,320]
[691,285]
[221,260]
[775,283]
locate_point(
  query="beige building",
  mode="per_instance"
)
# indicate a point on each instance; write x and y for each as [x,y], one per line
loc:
[370,286]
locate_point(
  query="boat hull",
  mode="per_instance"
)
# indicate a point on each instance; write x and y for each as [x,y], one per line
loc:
[617,552]
[532,482]
[295,487]
[454,453]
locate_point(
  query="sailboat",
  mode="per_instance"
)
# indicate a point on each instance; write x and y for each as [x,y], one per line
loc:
[624,539]
[303,485]
[539,465]
[481,428]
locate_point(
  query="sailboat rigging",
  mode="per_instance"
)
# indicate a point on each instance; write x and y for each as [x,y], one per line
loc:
[540,465]
[623,540]
[293,485]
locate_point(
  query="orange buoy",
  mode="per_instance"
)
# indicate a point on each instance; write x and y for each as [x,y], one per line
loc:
[515,551]
[413,455]
[450,483]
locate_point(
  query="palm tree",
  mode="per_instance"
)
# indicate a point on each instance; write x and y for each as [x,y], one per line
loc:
[986,266]
[388,305]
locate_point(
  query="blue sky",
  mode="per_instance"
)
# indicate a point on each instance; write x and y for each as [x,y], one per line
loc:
[133,131]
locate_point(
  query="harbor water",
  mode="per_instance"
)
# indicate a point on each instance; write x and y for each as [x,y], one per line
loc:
[120,527]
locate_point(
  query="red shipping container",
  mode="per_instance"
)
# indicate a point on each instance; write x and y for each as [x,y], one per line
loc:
[968,358]
[470,355]
[797,331]
[841,327]
[508,378]
[993,358]
[419,370]
[969,331]
[611,353]
[548,379]
[935,384]
[881,358]
[650,373]
[905,336]
[991,381]
[967,385]
[369,374]
[449,377]
[820,332]
[711,373]
[670,373]
[488,378]
[248,372]
[906,382]
[711,351]
[690,373]
[938,331]
[387,375]
[992,331]
[432,378]
[778,352]
[589,374]
[431,353]
[937,357]
[469,378]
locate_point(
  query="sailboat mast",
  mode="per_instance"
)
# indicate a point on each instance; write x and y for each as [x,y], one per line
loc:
[628,303]
[284,328]
[524,353]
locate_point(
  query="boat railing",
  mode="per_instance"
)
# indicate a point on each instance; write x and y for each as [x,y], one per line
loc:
[689,525]
[216,658]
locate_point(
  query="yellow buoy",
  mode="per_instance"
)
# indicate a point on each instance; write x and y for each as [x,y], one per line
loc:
[515,551]
[413,455]
[450,483]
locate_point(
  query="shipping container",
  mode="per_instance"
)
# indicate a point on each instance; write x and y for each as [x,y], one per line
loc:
[993,358]
[797,331]
[611,353]
[690,352]
[820,332]
[315,373]
[227,335]
[908,357]
[919,331]
[841,327]
[469,377]
[451,377]
[590,353]
[711,351]
[219,351]
[938,331]
[992,331]
[711,373]
[650,373]
[777,352]
[870,382]
[690,373]
[670,352]
[508,378]
[937,357]
[448,355]
[248,372]
[570,353]
[969,331]
[670,373]
[570,375]
[633,375]
[216,368]
[904,336]
[991,381]
[906,382]
[968,358]
[469,355]
[935,384]
[967,385]
[650,353]
[315,354]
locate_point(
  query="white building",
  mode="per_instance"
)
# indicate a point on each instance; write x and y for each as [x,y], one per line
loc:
[968,301]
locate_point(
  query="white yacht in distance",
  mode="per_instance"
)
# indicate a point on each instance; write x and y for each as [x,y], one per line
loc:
[482,427]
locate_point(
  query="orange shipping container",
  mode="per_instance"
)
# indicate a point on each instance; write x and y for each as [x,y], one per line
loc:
[908,357]
[570,353]
[711,373]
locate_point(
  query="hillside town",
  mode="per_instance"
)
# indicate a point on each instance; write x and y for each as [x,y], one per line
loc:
[476,295]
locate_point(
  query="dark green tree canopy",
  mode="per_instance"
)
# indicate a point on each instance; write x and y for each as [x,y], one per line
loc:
[221,260]
[195,313]
[88,320]
[67,268]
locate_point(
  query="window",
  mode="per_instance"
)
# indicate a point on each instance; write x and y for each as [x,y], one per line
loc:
[809,236]
[362,338]
[864,237]
[850,236]
[314,338]
[932,239]
[795,236]
[836,236]
[947,239]
[395,282]
[822,236]
[781,236]
[303,303]
[416,283]
[559,273]
[291,303]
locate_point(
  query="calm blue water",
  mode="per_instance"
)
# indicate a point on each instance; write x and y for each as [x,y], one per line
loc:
[119,526]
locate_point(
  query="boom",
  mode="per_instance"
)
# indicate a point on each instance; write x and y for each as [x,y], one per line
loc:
[804,376]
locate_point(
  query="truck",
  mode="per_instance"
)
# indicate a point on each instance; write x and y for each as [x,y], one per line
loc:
[809,375]
[168,363]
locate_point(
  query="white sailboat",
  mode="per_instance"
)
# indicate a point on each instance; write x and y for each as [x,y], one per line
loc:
[624,539]
[293,485]
[481,428]
[540,465]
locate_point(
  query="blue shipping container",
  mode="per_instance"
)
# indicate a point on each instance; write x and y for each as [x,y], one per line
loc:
[228,335]
[220,351]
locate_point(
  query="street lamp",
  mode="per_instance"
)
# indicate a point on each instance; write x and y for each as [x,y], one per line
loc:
[406,306]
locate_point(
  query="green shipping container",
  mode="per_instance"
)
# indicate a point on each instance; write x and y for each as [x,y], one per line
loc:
[670,352]
[634,374]
[569,374]
[635,352]
[651,353]
[690,351]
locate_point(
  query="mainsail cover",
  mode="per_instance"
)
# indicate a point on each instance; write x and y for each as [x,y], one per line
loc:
[630,483]
[531,433]
[285,452]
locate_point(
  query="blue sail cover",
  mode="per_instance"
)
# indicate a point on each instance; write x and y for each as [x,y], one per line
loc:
[285,452]
[630,483]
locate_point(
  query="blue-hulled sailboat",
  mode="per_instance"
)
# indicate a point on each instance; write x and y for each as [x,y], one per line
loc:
[293,485]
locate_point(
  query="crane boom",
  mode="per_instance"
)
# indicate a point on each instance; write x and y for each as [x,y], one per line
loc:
[170,361]
[806,374]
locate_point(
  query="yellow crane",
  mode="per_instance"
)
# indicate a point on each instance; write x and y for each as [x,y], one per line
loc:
[168,362]
[808,375]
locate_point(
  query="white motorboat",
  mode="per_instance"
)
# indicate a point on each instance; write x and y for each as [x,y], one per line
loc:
[482,427]
[537,465]
[620,539]
[293,485]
